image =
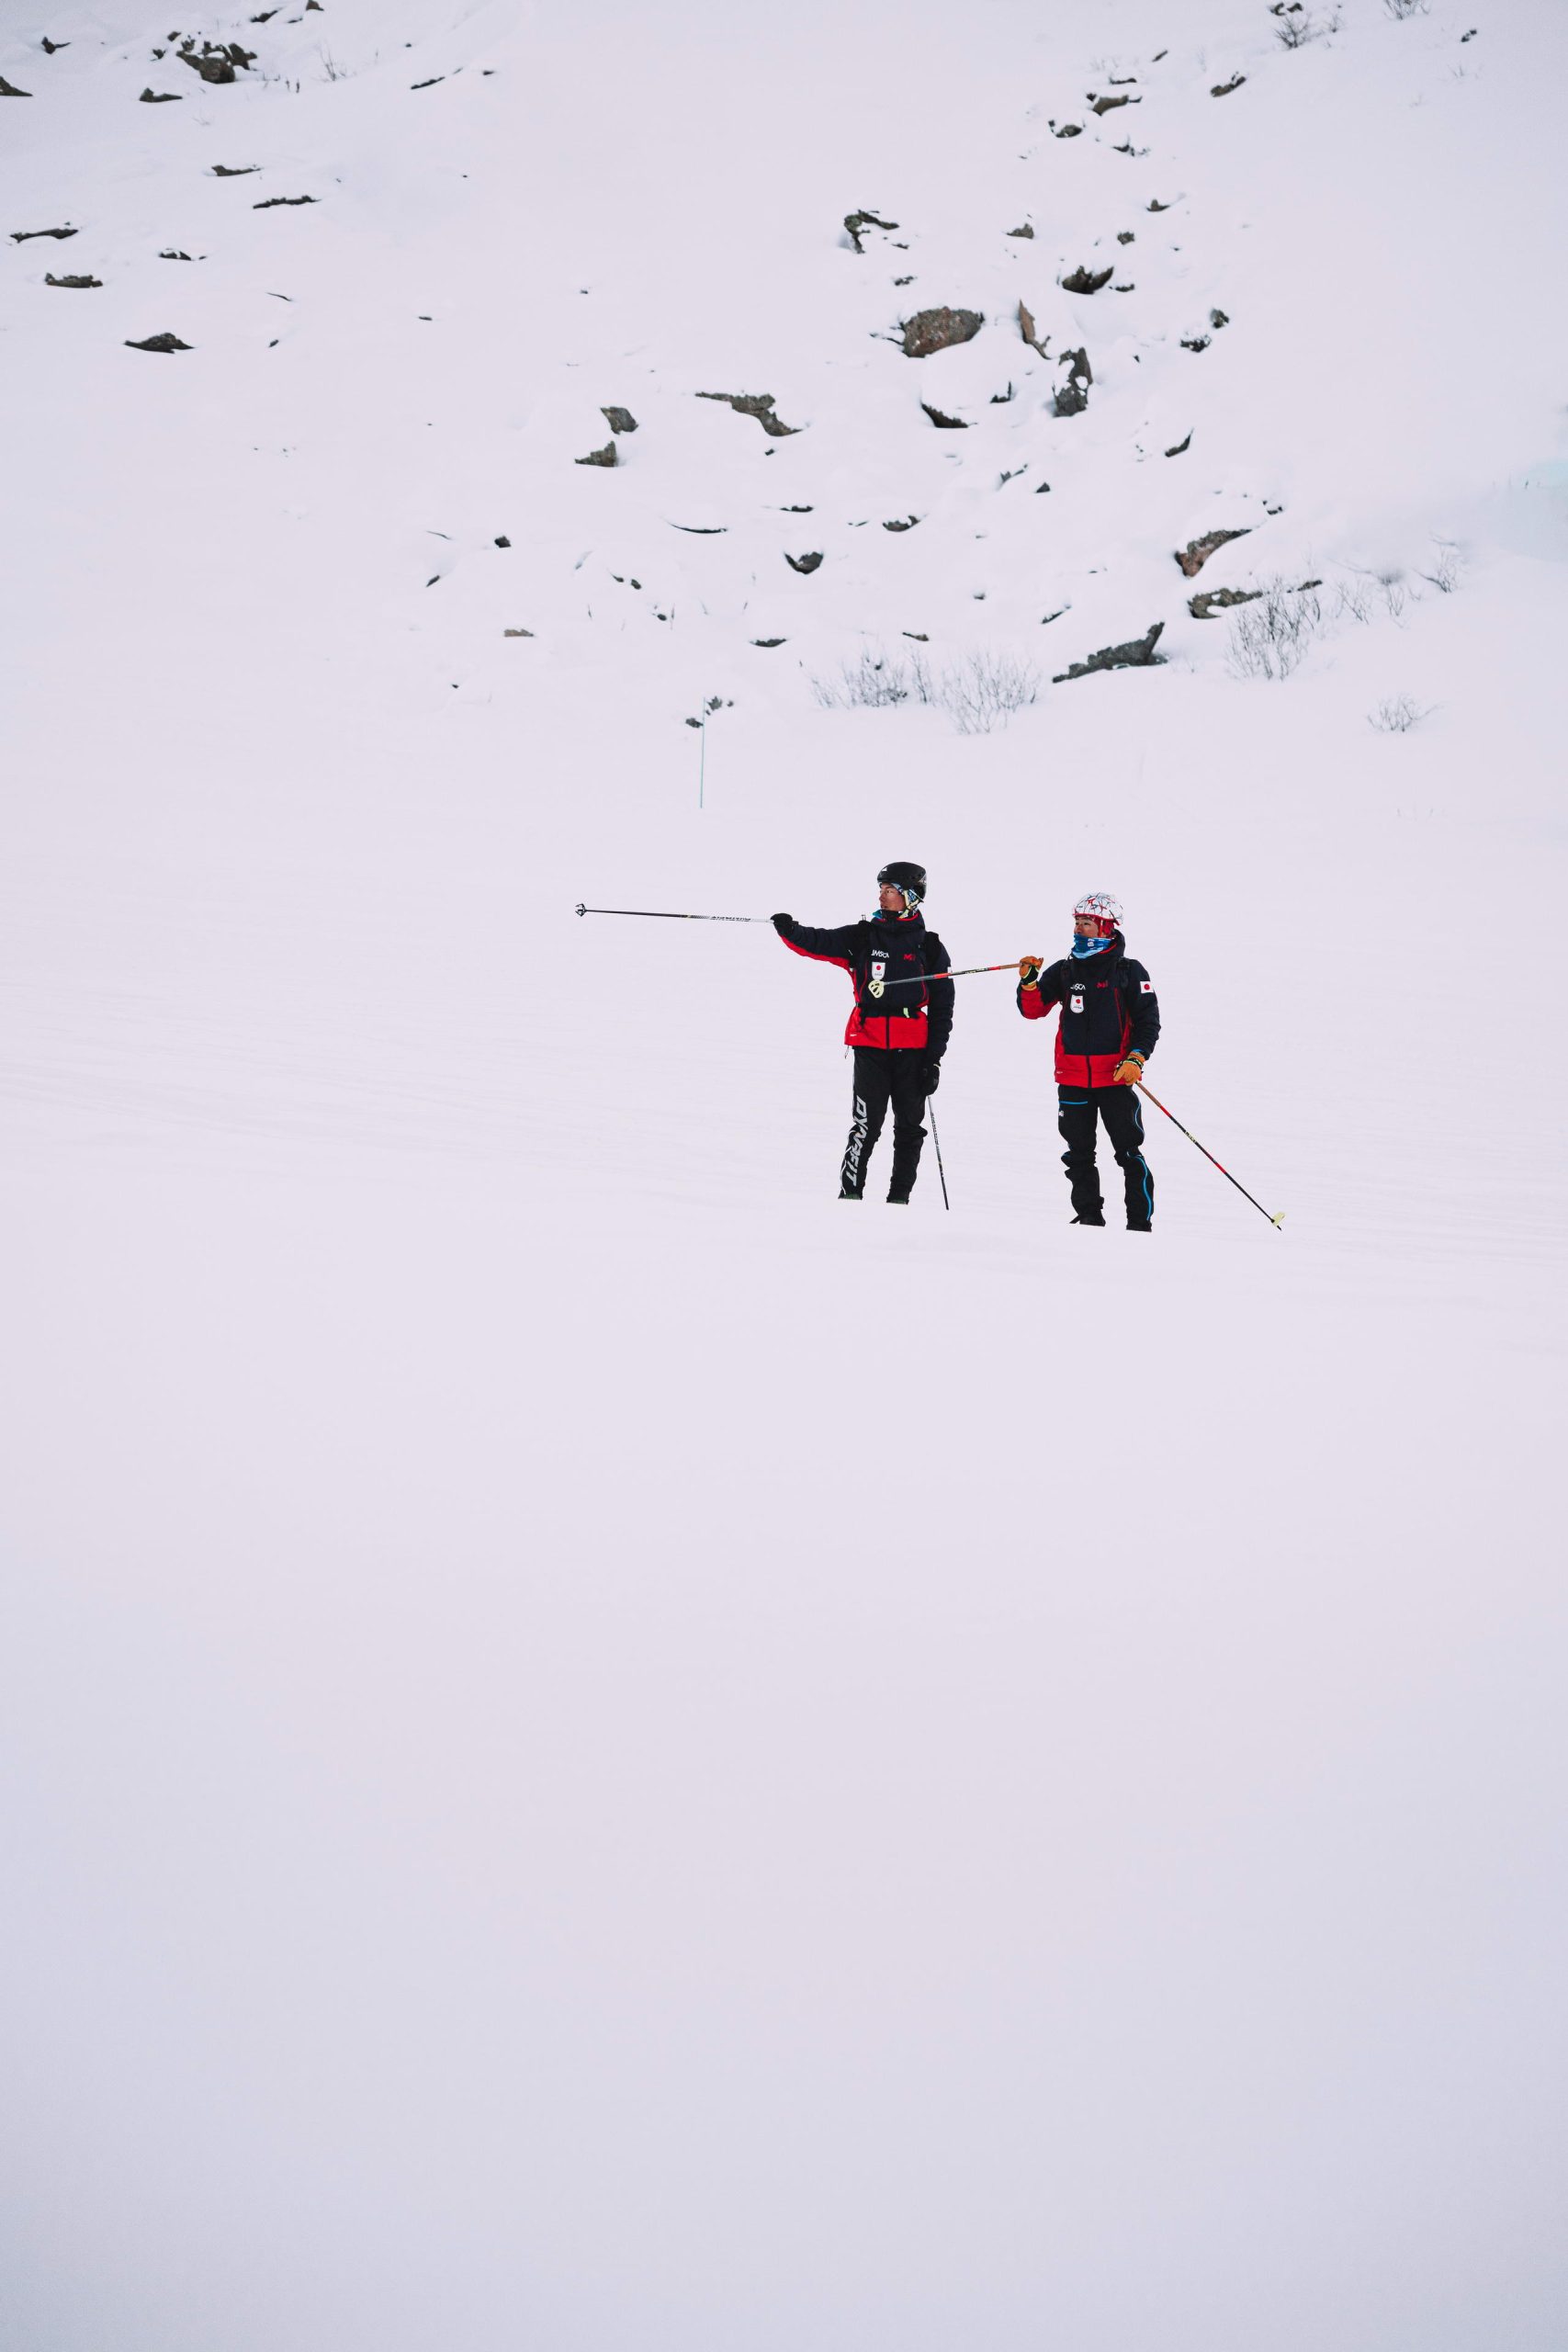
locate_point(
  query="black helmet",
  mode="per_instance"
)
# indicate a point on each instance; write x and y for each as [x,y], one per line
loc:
[905,875]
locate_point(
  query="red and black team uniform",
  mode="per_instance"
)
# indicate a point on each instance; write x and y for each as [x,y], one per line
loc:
[899,1028]
[1110,1013]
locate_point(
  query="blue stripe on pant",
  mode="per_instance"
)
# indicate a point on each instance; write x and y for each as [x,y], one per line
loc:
[1078,1114]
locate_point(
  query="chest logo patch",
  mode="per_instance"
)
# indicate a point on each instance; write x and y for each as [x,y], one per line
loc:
[878,974]
[1075,1004]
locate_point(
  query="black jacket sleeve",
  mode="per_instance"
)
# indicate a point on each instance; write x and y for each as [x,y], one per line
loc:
[835,946]
[939,999]
[1143,1007]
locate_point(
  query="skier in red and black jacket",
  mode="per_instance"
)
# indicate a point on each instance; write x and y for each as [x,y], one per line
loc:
[902,1022]
[1107,1031]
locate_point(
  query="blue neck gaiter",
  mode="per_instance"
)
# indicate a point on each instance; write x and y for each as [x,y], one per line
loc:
[1082,947]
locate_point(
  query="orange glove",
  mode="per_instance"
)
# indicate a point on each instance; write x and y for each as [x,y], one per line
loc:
[1128,1073]
[1028,971]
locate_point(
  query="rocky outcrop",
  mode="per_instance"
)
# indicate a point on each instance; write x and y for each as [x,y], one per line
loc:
[1196,553]
[943,422]
[931,331]
[1138,654]
[1072,397]
[619,420]
[757,404]
[50,279]
[164,342]
[607,455]
[805,563]
[1085,281]
[1210,601]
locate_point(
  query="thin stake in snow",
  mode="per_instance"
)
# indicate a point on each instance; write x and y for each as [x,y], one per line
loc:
[1209,1156]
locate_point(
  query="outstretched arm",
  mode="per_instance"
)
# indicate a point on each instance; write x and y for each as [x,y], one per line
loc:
[1039,988]
[831,947]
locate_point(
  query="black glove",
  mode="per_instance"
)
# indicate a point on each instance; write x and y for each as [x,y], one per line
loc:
[782,923]
[933,1076]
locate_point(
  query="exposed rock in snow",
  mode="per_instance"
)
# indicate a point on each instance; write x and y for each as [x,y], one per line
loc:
[1196,553]
[757,404]
[929,331]
[804,562]
[619,420]
[1138,654]
[607,455]
[164,342]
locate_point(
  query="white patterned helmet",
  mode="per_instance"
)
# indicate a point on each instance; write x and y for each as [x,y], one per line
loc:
[1104,912]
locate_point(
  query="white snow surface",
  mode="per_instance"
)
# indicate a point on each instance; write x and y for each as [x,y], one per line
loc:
[604,1753]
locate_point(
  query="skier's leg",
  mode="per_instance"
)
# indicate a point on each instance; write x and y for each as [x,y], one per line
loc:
[909,1103]
[1124,1116]
[871,1086]
[1075,1125]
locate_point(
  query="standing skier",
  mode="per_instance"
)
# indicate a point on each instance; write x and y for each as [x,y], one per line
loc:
[900,1025]
[1107,1031]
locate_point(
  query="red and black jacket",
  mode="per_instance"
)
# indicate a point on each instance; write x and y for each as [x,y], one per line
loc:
[876,952]
[1109,1010]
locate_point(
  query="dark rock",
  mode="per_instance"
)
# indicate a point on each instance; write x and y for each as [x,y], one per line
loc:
[215,66]
[1026,329]
[517,632]
[1196,342]
[150,97]
[903,281]
[50,279]
[503,542]
[1040,488]
[798,510]
[1219,319]
[947,423]
[1181,447]
[1109,106]
[1196,554]
[1000,400]
[265,18]
[1047,618]
[1124,237]
[1210,601]
[1223,90]
[164,342]
[1128,289]
[757,404]
[854,222]
[169,253]
[9,90]
[1025,231]
[931,331]
[1138,654]
[270,203]
[918,635]
[50,48]
[767,643]
[907,525]
[234,171]
[605,457]
[1156,205]
[1085,281]
[803,562]
[1072,397]
[701,530]
[619,420]
[1068,130]
[430,85]
[21,236]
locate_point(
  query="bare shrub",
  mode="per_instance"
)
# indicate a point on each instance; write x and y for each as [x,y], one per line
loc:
[875,682]
[978,692]
[1395,593]
[1444,575]
[1272,637]
[1400,9]
[983,691]
[1398,715]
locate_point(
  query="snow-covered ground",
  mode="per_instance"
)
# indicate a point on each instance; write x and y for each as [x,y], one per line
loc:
[596,1758]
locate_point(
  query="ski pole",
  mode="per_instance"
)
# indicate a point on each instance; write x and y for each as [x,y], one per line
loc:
[937,1141]
[965,972]
[660,914]
[1208,1155]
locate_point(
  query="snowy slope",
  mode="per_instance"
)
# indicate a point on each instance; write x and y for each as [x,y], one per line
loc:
[597,1758]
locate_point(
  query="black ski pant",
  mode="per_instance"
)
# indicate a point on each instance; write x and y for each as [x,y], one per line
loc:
[1078,1109]
[895,1074]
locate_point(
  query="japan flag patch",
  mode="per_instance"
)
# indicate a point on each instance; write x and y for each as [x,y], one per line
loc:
[1145,988]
